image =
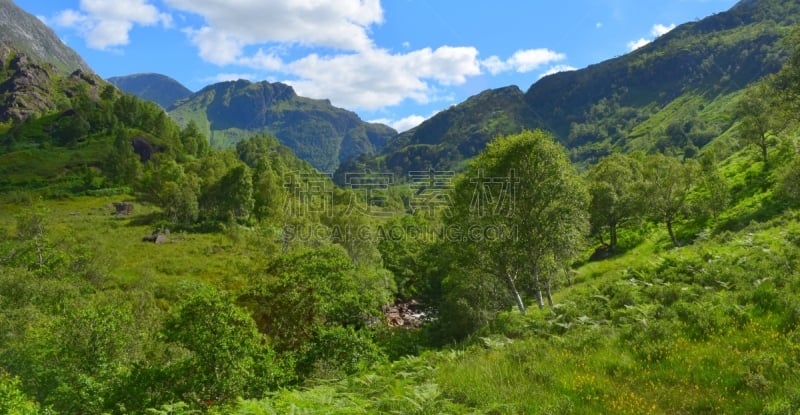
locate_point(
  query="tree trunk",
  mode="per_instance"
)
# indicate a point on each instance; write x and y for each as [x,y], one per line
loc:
[517,297]
[672,234]
[548,293]
[612,248]
[539,300]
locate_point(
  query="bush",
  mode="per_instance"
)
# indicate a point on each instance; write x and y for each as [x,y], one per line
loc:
[335,352]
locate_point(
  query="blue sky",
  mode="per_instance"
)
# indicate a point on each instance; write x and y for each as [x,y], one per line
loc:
[393,61]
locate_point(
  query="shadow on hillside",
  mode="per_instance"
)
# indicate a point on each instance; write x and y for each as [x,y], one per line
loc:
[144,219]
[768,209]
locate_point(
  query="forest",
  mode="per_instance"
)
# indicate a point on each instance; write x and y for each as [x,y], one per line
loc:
[244,281]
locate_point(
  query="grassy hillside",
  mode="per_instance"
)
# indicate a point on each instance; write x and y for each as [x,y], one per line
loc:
[142,271]
[628,102]
[708,327]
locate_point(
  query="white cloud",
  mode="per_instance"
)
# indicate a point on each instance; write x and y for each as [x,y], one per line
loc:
[70,18]
[557,69]
[338,24]
[522,61]
[225,77]
[598,25]
[105,24]
[636,44]
[405,123]
[375,78]
[656,31]
[660,29]
[323,48]
[408,123]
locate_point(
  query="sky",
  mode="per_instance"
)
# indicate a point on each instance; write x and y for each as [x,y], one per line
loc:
[392,61]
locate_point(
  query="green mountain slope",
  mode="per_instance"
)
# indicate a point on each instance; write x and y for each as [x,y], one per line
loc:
[597,109]
[158,88]
[28,34]
[315,130]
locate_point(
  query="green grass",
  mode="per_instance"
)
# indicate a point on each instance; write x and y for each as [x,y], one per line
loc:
[116,245]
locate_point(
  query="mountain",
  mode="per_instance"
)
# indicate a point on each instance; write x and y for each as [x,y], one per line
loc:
[26,33]
[158,88]
[315,130]
[621,104]
[464,129]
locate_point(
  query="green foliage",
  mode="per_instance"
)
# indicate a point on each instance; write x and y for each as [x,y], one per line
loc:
[666,186]
[307,290]
[522,211]
[231,198]
[759,119]
[335,352]
[614,189]
[408,249]
[789,182]
[227,356]
[242,321]
[12,400]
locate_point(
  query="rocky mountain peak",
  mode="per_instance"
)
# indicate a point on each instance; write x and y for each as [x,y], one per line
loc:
[26,33]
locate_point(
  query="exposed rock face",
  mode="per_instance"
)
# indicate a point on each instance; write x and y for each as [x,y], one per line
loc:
[25,32]
[28,86]
[26,91]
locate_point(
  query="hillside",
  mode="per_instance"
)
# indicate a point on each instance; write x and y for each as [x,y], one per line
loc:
[158,88]
[28,34]
[143,271]
[315,130]
[606,106]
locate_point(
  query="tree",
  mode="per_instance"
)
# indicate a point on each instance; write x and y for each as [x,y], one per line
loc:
[789,181]
[519,213]
[231,197]
[165,184]
[666,185]
[786,84]
[228,356]
[714,192]
[12,400]
[613,186]
[307,290]
[758,122]
[268,192]
[122,163]
[194,142]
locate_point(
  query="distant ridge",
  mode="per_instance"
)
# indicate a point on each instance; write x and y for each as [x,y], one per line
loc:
[608,106]
[158,88]
[315,130]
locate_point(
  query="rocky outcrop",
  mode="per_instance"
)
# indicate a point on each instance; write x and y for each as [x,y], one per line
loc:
[27,89]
